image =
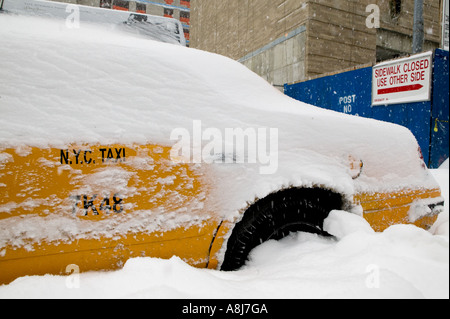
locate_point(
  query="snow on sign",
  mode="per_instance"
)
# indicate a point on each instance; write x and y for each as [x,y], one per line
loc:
[402,81]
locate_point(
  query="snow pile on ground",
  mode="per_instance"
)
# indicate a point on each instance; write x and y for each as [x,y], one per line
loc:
[445,165]
[403,262]
[441,175]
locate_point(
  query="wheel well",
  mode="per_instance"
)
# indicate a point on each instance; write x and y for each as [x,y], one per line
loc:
[275,216]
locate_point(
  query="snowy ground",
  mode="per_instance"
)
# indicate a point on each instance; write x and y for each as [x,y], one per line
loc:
[402,262]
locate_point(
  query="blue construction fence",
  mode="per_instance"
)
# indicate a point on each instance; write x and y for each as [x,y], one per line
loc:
[351,92]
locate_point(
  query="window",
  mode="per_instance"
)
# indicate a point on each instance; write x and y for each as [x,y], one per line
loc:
[105,4]
[186,3]
[168,13]
[121,5]
[141,7]
[396,8]
[185,17]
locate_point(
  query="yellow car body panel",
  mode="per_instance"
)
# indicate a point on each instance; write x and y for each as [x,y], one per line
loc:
[99,186]
[383,210]
[98,254]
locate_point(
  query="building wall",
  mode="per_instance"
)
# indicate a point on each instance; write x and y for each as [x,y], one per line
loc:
[395,35]
[338,37]
[282,61]
[288,41]
[268,36]
[237,27]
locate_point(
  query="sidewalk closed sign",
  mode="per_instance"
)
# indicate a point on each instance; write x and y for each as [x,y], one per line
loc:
[405,80]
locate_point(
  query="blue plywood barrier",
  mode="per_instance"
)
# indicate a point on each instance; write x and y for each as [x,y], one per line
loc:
[351,93]
[439,149]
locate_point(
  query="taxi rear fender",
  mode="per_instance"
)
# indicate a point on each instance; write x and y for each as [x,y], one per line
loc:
[272,217]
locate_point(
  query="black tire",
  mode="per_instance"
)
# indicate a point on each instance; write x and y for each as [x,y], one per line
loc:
[275,217]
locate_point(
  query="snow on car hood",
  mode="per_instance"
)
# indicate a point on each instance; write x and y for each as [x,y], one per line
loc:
[60,86]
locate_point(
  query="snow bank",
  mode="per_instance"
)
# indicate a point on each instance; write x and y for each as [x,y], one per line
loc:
[441,227]
[445,165]
[341,223]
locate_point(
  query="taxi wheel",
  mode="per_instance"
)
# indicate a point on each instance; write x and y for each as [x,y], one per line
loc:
[275,217]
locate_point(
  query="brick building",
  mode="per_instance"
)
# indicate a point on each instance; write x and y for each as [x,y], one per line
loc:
[288,41]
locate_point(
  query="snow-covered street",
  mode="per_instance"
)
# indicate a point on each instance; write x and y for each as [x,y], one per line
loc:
[402,262]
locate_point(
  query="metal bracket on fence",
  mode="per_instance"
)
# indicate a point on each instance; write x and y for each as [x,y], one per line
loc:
[436,127]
